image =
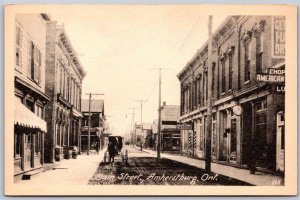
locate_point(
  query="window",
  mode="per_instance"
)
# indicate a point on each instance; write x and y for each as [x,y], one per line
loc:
[18,46]
[36,145]
[282,138]
[30,104]
[201,146]
[17,145]
[230,72]
[200,96]
[206,86]
[247,62]
[39,111]
[223,75]
[195,93]
[35,62]
[213,77]
[259,53]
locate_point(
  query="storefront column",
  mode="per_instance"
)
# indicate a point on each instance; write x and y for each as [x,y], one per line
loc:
[218,135]
[42,147]
[238,140]
[32,147]
[271,129]
[22,150]
[79,135]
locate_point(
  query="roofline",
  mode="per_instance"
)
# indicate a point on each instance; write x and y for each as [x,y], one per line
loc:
[204,46]
[78,65]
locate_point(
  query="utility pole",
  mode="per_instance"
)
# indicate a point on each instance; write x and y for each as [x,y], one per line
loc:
[141,120]
[89,128]
[159,113]
[132,123]
[159,116]
[209,98]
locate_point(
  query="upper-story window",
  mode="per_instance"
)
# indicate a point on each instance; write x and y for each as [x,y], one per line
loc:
[35,62]
[213,77]
[223,81]
[230,71]
[247,61]
[18,47]
[259,53]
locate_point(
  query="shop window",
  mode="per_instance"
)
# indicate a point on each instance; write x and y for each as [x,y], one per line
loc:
[233,136]
[18,143]
[36,145]
[214,138]
[282,138]
[201,146]
[18,46]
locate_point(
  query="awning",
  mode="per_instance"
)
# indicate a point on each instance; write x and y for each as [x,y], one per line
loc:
[24,117]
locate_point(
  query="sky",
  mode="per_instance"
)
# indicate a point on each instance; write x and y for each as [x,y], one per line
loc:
[121,47]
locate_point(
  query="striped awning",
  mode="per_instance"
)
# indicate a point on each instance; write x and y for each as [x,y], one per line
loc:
[24,117]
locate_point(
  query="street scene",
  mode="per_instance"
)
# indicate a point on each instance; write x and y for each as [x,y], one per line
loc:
[163,95]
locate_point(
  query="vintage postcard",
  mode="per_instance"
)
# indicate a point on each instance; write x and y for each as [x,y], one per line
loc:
[111,100]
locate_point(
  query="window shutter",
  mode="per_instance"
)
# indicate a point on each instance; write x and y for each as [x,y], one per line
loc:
[35,63]
[40,66]
[32,61]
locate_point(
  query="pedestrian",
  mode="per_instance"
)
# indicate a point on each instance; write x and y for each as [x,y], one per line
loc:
[252,160]
[97,147]
[112,150]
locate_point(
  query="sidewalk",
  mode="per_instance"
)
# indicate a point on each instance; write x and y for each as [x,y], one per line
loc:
[73,171]
[259,178]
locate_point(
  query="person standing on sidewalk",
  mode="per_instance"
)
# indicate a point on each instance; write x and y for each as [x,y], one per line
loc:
[97,147]
[252,160]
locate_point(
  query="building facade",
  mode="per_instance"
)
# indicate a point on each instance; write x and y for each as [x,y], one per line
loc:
[30,98]
[247,113]
[63,84]
[170,135]
[97,124]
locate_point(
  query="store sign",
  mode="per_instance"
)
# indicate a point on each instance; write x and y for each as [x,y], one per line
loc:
[272,75]
[184,126]
[278,35]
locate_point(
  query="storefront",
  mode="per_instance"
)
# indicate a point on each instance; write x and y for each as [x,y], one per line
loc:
[29,130]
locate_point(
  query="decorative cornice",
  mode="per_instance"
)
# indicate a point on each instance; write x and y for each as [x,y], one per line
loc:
[246,35]
[230,49]
[258,26]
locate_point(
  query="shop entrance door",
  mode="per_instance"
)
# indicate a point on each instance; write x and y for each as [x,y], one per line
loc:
[27,151]
[280,142]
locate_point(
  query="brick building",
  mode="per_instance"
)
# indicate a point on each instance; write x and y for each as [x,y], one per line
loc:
[63,84]
[247,114]
[30,98]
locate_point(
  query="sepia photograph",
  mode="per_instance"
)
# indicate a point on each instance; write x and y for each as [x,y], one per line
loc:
[109,100]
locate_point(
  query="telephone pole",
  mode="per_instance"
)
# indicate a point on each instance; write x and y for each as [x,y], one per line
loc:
[159,116]
[141,119]
[159,112]
[132,125]
[209,98]
[89,128]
